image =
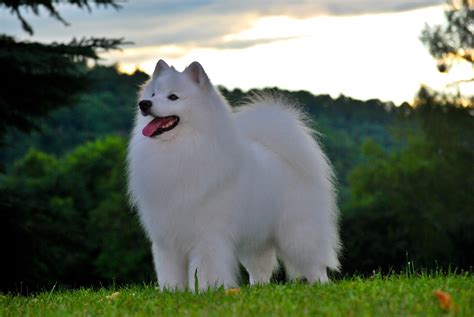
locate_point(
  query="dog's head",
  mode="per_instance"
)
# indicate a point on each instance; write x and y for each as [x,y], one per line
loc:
[172,100]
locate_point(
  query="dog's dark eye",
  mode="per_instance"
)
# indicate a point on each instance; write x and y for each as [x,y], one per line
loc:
[153,94]
[173,97]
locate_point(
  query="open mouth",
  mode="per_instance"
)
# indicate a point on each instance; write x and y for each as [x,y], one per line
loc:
[159,125]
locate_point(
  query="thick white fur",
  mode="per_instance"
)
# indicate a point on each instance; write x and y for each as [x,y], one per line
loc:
[224,187]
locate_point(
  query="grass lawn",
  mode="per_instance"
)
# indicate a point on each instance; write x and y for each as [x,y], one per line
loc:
[399,295]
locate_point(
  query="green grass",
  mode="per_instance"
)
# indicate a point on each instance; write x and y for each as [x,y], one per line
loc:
[378,296]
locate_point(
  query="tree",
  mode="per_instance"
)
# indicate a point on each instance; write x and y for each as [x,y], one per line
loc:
[65,220]
[415,203]
[453,41]
[43,77]
[39,78]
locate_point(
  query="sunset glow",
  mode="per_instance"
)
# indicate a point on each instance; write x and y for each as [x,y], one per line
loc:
[372,55]
[369,56]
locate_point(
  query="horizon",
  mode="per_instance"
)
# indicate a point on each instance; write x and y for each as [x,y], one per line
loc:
[363,50]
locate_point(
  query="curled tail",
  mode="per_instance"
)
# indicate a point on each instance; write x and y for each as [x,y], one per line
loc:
[279,126]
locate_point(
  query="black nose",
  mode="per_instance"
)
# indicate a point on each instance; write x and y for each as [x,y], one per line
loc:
[145,106]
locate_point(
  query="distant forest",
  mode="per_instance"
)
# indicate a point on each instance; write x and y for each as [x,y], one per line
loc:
[404,177]
[108,109]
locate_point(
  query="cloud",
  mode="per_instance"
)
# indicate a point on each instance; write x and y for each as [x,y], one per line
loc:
[239,44]
[204,23]
[192,23]
[308,8]
[242,43]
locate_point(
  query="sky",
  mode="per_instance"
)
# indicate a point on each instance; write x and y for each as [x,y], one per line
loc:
[364,49]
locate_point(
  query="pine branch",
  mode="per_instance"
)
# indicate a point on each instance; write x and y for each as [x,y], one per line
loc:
[80,49]
[52,74]
[453,40]
[51,7]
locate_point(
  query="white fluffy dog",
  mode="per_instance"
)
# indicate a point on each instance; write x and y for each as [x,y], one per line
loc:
[215,186]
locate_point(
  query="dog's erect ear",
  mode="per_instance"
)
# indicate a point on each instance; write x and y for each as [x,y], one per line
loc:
[197,74]
[160,66]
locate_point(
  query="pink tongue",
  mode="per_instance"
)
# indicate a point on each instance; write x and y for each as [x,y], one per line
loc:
[154,125]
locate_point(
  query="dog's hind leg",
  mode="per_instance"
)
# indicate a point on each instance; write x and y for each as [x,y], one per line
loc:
[304,252]
[303,265]
[260,265]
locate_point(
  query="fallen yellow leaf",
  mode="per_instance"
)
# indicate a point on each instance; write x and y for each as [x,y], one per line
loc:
[444,299]
[232,291]
[113,296]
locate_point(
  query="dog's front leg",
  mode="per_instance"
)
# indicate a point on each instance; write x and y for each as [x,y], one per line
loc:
[170,268]
[212,263]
